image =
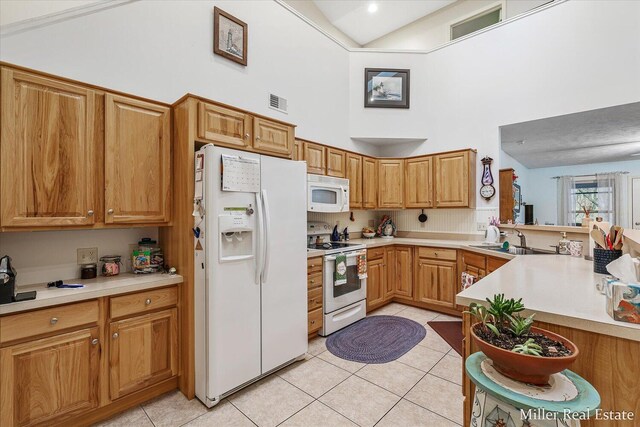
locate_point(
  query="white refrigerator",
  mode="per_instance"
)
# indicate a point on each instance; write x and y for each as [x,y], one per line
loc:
[250,268]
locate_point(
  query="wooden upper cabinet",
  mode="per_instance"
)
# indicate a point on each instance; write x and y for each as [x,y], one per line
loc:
[336,162]
[314,154]
[298,150]
[45,381]
[369,183]
[224,126]
[143,351]
[390,183]
[48,150]
[137,161]
[454,179]
[273,137]
[354,175]
[419,183]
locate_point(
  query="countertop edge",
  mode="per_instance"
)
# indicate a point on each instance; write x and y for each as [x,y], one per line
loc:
[71,295]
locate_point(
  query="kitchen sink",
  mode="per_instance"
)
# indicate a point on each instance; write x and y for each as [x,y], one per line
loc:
[515,250]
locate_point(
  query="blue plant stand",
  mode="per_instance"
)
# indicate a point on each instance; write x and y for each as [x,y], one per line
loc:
[502,402]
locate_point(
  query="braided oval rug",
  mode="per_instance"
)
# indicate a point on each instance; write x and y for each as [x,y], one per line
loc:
[376,339]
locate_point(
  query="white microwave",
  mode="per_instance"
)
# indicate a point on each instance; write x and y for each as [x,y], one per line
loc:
[327,194]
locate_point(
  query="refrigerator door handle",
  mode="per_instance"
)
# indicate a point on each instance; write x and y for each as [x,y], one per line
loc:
[259,237]
[267,237]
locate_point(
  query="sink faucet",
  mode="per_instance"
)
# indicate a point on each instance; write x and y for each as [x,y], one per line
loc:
[523,238]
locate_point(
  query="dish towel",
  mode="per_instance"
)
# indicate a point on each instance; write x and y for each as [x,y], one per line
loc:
[467,280]
[362,266]
[340,275]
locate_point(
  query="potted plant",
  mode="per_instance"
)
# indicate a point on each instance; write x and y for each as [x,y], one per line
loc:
[518,349]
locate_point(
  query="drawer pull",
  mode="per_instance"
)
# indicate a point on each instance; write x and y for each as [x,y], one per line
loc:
[115,335]
[94,341]
[312,281]
[313,265]
[246,136]
[54,320]
[147,301]
[90,213]
[110,211]
[313,322]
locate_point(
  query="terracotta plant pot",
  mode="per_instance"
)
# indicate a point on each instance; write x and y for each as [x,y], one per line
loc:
[523,367]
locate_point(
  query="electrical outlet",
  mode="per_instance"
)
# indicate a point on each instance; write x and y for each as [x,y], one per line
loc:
[482,226]
[87,255]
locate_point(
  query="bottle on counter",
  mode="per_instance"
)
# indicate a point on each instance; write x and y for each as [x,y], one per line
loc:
[563,244]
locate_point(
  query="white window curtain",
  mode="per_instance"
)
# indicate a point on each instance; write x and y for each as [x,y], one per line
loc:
[566,199]
[616,199]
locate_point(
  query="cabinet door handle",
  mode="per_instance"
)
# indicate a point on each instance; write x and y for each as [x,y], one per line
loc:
[246,136]
[257,138]
[313,322]
[94,341]
[147,301]
[54,320]
[115,335]
[312,281]
[110,211]
[90,212]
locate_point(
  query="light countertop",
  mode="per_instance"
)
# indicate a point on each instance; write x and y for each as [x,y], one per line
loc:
[94,288]
[411,241]
[560,289]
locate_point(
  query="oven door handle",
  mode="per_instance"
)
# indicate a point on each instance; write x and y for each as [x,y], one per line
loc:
[349,255]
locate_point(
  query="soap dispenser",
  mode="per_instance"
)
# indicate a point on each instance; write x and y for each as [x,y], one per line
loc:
[563,244]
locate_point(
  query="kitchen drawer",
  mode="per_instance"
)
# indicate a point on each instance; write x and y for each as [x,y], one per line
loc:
[142,302]
[314,280]
[375,253]
[32,323]
[314,265]
[437,253]
[476,260]
[314,320]
[314,299]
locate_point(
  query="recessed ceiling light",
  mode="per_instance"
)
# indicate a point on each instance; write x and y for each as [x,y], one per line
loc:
[373,8]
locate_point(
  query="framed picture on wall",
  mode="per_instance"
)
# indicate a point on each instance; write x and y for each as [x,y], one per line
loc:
[229,36]
[517,198]
[386,88]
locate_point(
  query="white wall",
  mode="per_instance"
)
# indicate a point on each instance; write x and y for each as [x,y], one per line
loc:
[434,29]
[162,50]
[550,63]
[12,11]
[310,11]
[44,256]
[541,190]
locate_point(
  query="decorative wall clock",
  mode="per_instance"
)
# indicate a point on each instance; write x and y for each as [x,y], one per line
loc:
[487,190]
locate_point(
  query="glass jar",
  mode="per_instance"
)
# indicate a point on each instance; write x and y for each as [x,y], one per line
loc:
[111,265]
[88,271]
[149,257]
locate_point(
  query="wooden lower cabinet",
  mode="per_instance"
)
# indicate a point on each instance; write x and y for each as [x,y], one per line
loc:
[50,379]
[91,368]
[143,351]
[474,264]
[436,282]
[392,273]
[494,263]
[376,283]
[314,295]
[403,284]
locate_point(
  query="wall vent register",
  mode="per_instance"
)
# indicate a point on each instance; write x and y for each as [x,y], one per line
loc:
[277,103]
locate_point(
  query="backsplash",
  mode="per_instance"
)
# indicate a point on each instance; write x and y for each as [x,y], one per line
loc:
[361,219]
[463,221]
[43,256]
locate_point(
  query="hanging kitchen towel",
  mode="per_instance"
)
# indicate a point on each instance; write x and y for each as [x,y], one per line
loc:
[340,275]
[467,280]
[362,265]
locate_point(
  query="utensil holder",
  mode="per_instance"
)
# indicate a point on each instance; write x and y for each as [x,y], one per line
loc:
[602,257]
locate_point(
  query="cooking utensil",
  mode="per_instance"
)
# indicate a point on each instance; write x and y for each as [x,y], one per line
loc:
[617,244]
[422,217]
[599,238]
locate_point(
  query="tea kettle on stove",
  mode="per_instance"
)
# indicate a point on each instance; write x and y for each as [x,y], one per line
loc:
[7,280]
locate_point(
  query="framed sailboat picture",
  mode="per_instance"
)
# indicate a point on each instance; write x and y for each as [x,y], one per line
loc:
[229,36]
[386,88]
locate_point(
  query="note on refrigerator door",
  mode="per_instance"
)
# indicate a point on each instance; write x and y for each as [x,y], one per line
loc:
[240,174]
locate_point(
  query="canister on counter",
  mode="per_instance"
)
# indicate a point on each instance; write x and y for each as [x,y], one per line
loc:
[111,265]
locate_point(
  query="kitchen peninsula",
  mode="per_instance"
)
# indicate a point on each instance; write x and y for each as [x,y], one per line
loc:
[561,291]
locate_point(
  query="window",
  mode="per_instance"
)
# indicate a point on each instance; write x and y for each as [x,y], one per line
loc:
[587,194]
[477,22]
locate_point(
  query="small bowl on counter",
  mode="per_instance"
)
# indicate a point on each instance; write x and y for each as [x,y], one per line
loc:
[368,235]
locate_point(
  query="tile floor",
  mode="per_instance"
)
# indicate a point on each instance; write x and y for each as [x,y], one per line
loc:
[421,388]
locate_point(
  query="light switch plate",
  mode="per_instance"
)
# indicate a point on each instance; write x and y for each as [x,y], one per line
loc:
[87,255]
[482,226]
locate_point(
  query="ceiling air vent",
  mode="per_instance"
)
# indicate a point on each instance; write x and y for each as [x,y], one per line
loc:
[277,103]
